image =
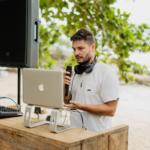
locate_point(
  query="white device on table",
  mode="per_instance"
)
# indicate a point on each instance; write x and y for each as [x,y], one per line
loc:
[44,88]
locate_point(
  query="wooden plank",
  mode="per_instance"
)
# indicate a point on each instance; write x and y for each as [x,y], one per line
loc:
[8,146]
[77,147]
[112,130]
[102,139]
[41,138]
[102,143]
[118,141]
[13,128]
[91,145]
[29,141]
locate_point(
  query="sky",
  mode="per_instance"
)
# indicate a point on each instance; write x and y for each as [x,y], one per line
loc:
[139,9]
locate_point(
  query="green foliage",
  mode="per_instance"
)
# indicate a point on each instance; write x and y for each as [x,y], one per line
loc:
[70,62]
[47,38]
[57,54]
[112,31]
[64,42]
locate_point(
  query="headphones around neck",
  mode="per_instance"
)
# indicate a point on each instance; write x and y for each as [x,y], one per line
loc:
[87,68]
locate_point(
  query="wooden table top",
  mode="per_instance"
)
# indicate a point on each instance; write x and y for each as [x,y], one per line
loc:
[67,138]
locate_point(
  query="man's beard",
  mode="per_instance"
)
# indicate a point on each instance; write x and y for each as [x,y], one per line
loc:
[86,60]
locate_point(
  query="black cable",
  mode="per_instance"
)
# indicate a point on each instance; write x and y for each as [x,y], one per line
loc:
[83,126]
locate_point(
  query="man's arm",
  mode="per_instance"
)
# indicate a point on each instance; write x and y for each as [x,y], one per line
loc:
[107,109]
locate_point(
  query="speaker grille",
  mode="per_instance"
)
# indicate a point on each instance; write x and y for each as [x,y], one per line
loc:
[13,26]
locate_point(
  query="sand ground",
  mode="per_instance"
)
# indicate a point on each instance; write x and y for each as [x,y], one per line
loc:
[138,121]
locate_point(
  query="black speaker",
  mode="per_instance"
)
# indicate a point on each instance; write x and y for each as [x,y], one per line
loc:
[19,33]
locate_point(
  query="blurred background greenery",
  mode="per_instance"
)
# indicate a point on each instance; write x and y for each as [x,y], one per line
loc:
[115,37]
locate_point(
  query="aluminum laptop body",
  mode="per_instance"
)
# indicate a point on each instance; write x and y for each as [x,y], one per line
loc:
[43,88]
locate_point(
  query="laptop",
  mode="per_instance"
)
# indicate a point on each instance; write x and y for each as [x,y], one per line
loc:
[43,88]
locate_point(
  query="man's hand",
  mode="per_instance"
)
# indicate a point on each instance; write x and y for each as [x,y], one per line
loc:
[75,105]
[67,79]
[107,109]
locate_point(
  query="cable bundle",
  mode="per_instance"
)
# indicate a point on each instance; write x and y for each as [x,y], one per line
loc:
[10,99]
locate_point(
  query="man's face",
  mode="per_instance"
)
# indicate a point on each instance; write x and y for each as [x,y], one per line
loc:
[82,51]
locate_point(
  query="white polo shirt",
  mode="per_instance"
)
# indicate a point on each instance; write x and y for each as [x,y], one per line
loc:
[98,87]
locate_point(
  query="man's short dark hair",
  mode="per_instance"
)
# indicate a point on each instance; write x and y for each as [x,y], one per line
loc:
[84,34]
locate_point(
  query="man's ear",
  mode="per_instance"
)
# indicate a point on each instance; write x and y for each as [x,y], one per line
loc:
[93,47]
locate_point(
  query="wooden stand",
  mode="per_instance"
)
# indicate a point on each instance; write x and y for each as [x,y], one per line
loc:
[15,136]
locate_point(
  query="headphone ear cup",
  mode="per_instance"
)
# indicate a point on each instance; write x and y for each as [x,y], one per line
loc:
[88,68]
[78,69]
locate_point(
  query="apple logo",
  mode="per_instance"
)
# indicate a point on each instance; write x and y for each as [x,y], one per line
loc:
[41,87]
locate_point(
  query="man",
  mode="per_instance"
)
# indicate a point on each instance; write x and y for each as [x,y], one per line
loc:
[96,93]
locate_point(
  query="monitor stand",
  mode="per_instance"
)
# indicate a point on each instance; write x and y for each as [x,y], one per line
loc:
[53,121]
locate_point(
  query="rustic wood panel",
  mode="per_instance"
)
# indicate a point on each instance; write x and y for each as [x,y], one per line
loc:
[102,143]
[112,130]
[40,138]
[37,143]
[91,145]
[118,141]
[11,128]
[7,146]
[78,147]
